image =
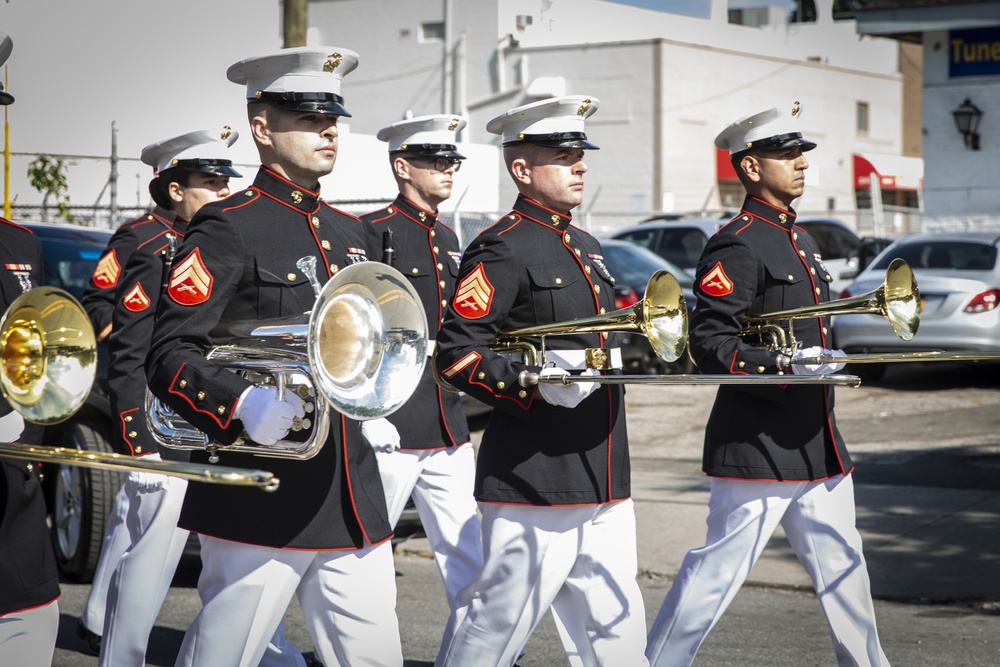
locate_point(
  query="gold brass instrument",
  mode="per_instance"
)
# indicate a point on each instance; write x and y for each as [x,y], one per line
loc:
[897,299]
[361,351]
[661,316]
[111,461]
[49,355]
[49,361]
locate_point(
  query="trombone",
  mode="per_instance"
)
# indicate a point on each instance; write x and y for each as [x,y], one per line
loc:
[661,316]
[897,299]
[48,363]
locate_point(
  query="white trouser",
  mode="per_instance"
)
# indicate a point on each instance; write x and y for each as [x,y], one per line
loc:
[348,600]
[142,548]
[441,482]
[578,560]
[818,518]
[116,542]
[28,638]
[143,572]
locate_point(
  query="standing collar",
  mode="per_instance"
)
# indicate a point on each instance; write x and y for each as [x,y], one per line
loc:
[529,208]
[411,210]
[761,209]
[282,189]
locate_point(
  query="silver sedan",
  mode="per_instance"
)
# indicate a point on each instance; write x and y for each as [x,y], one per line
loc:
[959,280]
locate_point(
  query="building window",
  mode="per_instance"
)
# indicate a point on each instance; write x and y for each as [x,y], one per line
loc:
[432,31]
[862,117]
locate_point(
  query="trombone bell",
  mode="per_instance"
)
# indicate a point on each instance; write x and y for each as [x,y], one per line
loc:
[897,299]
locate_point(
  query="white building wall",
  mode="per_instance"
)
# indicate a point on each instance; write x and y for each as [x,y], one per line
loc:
[960,184]
[711,73]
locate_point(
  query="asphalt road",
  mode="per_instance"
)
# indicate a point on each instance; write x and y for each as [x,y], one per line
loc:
[928,426]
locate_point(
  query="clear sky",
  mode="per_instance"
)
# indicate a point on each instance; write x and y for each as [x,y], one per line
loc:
[78,65]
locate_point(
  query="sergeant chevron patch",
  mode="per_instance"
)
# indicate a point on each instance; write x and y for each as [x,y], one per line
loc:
[716,282]
[474,295]
[190,281]
[107,270]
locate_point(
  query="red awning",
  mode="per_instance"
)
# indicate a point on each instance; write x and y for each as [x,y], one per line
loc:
[724,166]
[894,172]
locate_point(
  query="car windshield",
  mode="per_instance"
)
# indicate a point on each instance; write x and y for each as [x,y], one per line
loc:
[633,265]
[69,264]
[943,255]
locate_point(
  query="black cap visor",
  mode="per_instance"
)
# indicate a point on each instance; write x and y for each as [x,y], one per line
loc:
[430,150]
[325,103]
[556,140]
[782,141]
[213,167]
[5,97]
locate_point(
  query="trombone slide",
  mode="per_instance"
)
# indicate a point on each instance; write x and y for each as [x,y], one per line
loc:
[110,461]
[893,357]
[527,379]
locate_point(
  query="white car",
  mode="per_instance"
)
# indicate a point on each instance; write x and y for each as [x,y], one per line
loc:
[958,276]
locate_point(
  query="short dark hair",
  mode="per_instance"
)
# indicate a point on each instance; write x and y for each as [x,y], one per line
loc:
[159,187]
[736,159]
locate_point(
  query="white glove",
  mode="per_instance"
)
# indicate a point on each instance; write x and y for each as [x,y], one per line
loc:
[816,369]
[265,417]
[567,395]
[11,426]
[380,434]
[145,481]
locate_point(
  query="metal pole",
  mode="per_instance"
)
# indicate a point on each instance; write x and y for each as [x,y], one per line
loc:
[460,75]
[446,65]
[6,155]
[113,178]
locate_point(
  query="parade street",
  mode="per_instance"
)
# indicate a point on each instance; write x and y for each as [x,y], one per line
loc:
[927,453]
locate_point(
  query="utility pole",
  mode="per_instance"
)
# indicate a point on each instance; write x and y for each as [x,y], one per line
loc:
[296,22]
[113,178]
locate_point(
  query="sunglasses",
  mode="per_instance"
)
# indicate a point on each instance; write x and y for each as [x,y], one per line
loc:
[439,163]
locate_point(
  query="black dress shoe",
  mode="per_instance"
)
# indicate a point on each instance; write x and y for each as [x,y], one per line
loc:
[91,639]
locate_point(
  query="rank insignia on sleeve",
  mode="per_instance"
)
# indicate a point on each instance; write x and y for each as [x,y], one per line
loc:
[107,271]
[136,299]
[716,282]
[461,365]
[190,281]
[474,295]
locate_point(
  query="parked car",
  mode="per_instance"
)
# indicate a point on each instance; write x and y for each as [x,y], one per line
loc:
[632,266]
[80,499]
[681,241]
[958,276]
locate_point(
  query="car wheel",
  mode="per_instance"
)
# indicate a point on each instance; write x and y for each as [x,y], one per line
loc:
[867,372]
[81,502]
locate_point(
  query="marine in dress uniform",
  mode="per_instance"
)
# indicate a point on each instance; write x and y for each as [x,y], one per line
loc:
[99,301]
[774,452]
[435,461]
[29,579]
[151,232]
[191,169]
[324,534]
[552,477]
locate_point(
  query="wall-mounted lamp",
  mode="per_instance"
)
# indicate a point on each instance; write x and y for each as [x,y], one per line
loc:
[967,117]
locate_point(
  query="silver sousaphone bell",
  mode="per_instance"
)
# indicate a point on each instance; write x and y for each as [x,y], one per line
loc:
[360,351]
